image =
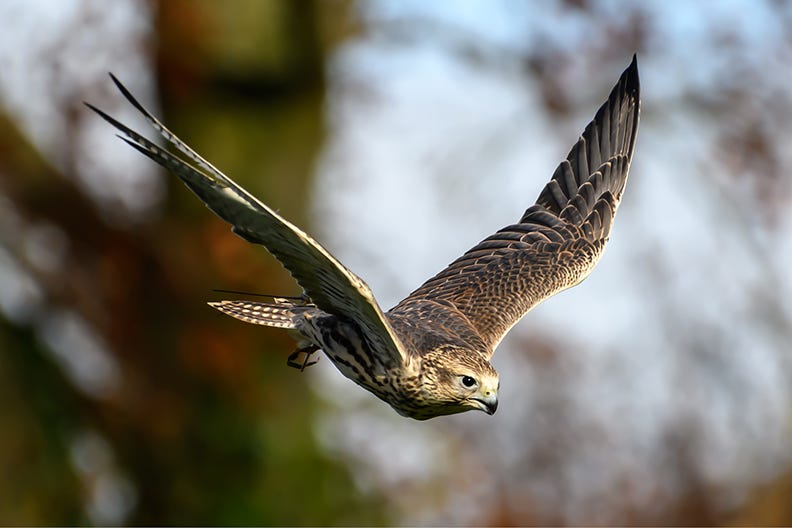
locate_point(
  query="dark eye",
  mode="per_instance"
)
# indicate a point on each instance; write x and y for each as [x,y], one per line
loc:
[468,381]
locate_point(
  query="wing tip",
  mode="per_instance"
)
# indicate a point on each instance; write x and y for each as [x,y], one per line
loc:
[101,113]
[632,83]
[128,96]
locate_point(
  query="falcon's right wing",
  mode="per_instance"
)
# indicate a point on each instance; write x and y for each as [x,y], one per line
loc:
[329,284]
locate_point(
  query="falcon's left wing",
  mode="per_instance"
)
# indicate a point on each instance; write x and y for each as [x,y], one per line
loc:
[558,240]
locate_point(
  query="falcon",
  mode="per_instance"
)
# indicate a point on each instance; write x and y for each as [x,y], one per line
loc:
[430,354]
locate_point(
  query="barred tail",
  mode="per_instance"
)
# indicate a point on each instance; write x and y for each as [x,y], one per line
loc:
[277,315]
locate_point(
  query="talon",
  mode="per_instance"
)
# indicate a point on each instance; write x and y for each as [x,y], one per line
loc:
[307,352]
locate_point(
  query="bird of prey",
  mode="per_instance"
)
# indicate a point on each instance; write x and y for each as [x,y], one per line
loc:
[430,354]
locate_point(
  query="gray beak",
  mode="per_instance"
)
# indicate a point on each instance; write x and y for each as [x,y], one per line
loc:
[487,404]
[491,407]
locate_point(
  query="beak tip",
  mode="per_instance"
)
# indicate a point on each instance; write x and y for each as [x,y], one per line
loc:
[489,405]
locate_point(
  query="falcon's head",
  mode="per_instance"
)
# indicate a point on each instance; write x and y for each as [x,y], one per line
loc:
[455,379]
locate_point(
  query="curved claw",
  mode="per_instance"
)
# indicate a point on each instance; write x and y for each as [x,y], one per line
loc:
[307,352]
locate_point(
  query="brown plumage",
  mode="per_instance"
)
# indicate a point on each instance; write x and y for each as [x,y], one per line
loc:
[430,354]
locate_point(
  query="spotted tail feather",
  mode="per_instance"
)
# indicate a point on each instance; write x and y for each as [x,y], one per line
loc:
[277,315]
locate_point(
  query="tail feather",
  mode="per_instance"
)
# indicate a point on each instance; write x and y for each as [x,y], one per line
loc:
[277,315]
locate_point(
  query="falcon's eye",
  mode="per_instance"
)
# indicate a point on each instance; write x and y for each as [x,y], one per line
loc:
[468,381]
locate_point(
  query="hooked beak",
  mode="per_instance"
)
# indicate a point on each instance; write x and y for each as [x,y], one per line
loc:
[487,402]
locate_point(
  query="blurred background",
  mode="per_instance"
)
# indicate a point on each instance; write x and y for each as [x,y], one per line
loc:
[399,133]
